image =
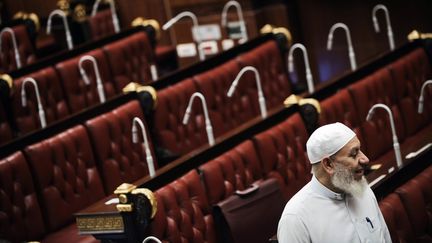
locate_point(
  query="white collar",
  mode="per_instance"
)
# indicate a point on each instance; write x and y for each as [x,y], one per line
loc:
[319,188]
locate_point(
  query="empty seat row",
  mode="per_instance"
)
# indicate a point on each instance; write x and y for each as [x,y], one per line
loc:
[45,183]
[226,113]
[396,85]
[407,211]
[25,48]
[63,90]
[185,206]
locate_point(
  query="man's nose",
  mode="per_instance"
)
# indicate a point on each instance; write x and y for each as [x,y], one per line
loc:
[364,160]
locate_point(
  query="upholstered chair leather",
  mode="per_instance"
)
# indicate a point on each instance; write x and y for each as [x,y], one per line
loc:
[267,58]
[6,133]
[7,52]
[130,59]
[118,158]
[101,24]
[377,88]
[170,133]
[80,95]
[66,176]
[408,73]
[20,212]
[234,170]
[281,150]
[413,195]
[229,112]
[52,98]
[183,213]
[396,218]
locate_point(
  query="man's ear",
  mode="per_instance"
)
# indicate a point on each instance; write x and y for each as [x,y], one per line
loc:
[327,165]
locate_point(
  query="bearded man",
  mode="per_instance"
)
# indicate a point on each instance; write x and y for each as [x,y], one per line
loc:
[337,205]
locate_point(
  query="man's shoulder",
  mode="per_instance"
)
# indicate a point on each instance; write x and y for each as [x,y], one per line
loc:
[299,201]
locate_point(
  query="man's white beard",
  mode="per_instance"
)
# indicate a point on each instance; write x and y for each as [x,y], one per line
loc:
[343,179]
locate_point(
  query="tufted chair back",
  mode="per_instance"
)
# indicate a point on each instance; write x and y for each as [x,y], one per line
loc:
[234,170]
[66,176]
[230,112]
[340,108]
[267,58]
[130,59]
[79,94]
[416,197]
[409,73]
[170,133]
[183,213]
[377,88]
[6,133]
[101,24]
[7,52]
[52,98]
[20,213]
[281,150]
[118,158]
[396,219]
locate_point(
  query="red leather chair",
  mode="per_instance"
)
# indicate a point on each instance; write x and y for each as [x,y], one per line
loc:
[281,150]
[230,112]
[409,73]
[397,220]
[267,58]
[79,94]
[169,131]
[52,98]
[66,179]
[377,88]
[340,108]
[416,197]
[118,158]
[6,133]
[101,24]
[183,213]
[235,170]
[130,59]
[20,212]
[7,52]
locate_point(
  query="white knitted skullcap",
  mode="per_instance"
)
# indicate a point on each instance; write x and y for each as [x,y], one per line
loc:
[327,140]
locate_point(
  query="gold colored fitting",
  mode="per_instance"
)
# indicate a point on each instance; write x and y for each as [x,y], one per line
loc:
[79,13]
[124,207]
[298,100]
[140,21]
[277,30]
[150,196]
[33,17]
[124,188]
[122,198]
[291,100]
[64,6]
[8,79]
[136,87]
[312,102]
[414,35]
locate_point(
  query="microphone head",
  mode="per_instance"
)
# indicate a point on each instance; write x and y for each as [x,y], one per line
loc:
[23,97]
[330,42]
[186,117]
[369,115]
[375,23]
[84,76]
[420,105]
[290,64]
[231,91]
[134,133]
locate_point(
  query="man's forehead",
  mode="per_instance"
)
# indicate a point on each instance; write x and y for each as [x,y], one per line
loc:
[354,143]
